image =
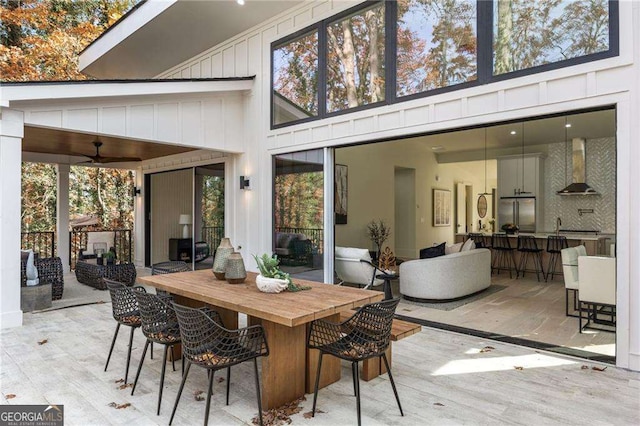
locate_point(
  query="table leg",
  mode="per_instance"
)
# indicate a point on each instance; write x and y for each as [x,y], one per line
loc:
[283,371]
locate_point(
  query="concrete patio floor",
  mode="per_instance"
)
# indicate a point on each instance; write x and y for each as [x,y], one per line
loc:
[442,378]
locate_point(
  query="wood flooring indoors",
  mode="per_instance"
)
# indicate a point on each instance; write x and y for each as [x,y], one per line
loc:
[442,378]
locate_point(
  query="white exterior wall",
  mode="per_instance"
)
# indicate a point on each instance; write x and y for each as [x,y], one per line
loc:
[613,81]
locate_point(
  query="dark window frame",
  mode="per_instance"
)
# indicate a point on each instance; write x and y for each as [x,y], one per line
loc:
[484,58]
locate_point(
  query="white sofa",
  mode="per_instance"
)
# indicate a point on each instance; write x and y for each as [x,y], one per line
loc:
[452,276]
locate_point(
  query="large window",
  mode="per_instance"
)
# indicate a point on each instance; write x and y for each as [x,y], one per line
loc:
[436,44]
[529,33]
[382,52]
[295,79]
[355,59]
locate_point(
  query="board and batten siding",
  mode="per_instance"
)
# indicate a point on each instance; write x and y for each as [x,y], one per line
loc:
[171,196]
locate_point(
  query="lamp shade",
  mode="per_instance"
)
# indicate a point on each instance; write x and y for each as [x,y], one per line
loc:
[185,219]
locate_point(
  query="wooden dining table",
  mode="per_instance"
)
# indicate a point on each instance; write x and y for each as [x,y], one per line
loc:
[289,370]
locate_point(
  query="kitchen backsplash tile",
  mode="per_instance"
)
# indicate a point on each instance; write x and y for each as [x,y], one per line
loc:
[601,176]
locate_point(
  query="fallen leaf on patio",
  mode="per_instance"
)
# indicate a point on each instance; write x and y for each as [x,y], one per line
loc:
[121,406]
[598,368]
[519,368]
[487,349]
[42,342]
[281,415]
[197,395]
[10,396]
[126,385]
[439,404]
[584,367]
[220,379]
[119,381]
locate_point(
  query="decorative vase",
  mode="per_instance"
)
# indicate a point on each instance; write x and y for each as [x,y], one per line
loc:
[223,252]
[234,271]
[271,285]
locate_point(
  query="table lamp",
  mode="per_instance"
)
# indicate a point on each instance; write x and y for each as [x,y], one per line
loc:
[185,219]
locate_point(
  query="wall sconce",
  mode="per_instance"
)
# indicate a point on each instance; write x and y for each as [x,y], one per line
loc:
[245,183]
[136,191]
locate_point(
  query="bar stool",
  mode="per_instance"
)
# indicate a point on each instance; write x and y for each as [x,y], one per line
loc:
[528,248]
[555,243]
[504,257]
[481,240]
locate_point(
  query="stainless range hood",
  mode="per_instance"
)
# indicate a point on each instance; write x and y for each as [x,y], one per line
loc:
[579,166]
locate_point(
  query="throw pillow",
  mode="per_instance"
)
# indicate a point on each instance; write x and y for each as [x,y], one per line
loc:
[453,248]
[32,271]
[435,251]
[468,245]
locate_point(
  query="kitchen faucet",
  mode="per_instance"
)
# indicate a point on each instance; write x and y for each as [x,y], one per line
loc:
[558,224]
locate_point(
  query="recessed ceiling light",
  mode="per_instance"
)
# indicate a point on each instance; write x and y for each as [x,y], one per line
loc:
[437,148]
[567,125]
[513,132]
[240,2]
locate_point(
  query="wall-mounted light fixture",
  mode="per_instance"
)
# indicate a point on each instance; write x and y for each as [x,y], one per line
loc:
[136,191]
[245,182]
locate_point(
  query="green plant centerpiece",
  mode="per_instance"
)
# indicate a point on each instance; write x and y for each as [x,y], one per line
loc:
[110,256]
[378,232]
[268,266]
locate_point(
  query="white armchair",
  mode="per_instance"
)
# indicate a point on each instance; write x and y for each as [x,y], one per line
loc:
[570,271]
[597,288]
[353,265]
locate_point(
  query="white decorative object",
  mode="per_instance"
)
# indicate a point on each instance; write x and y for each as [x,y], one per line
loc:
[271,285]
[185,219]
[32,271]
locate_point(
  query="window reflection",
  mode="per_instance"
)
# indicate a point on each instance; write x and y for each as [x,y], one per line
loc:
[528,33]
[436,44]
[295,79]
[355,59]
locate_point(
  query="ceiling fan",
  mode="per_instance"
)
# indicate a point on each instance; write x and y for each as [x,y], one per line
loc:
[99,159]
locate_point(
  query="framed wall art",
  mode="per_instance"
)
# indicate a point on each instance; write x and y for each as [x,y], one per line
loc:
[441,207]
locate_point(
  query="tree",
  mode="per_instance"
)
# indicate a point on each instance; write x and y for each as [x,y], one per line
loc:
[41,39]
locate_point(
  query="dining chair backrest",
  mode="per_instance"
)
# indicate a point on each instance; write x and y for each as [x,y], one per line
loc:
[158,317]
[597,279]
[570,265]
[123,300]
[372,323]
[207,343]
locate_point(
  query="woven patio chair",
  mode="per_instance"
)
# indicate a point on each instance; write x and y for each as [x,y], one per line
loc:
[159,325]
[205,342]
[125,311]
[365,335]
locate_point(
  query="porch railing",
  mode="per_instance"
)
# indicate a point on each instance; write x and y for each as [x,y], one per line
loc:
[316,235]
[212,235]
[43,243]
[78,240]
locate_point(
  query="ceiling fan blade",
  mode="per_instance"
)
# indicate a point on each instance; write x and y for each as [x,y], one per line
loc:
[104,160]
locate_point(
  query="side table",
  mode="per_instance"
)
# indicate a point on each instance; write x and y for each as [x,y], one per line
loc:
[388,295]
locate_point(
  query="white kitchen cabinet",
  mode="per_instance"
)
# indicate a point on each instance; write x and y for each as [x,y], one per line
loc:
[513,182]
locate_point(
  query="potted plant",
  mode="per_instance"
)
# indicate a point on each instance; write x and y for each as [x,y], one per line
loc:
[272,279]
[510,228]
[110,256]
[378,232]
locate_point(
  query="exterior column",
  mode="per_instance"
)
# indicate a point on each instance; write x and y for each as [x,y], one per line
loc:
[11,133]
[62,216]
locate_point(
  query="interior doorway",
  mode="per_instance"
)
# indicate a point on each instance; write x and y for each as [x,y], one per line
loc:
[405,212]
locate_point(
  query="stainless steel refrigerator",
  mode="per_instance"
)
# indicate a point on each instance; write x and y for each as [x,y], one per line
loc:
[518,210]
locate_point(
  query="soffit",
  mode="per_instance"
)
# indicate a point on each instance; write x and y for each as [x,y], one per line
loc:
[60,142]
[182,30]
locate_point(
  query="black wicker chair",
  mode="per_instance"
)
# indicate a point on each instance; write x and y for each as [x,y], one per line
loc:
[49,272]
[126,312]
[159,325]
[365,335]
[205,342]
